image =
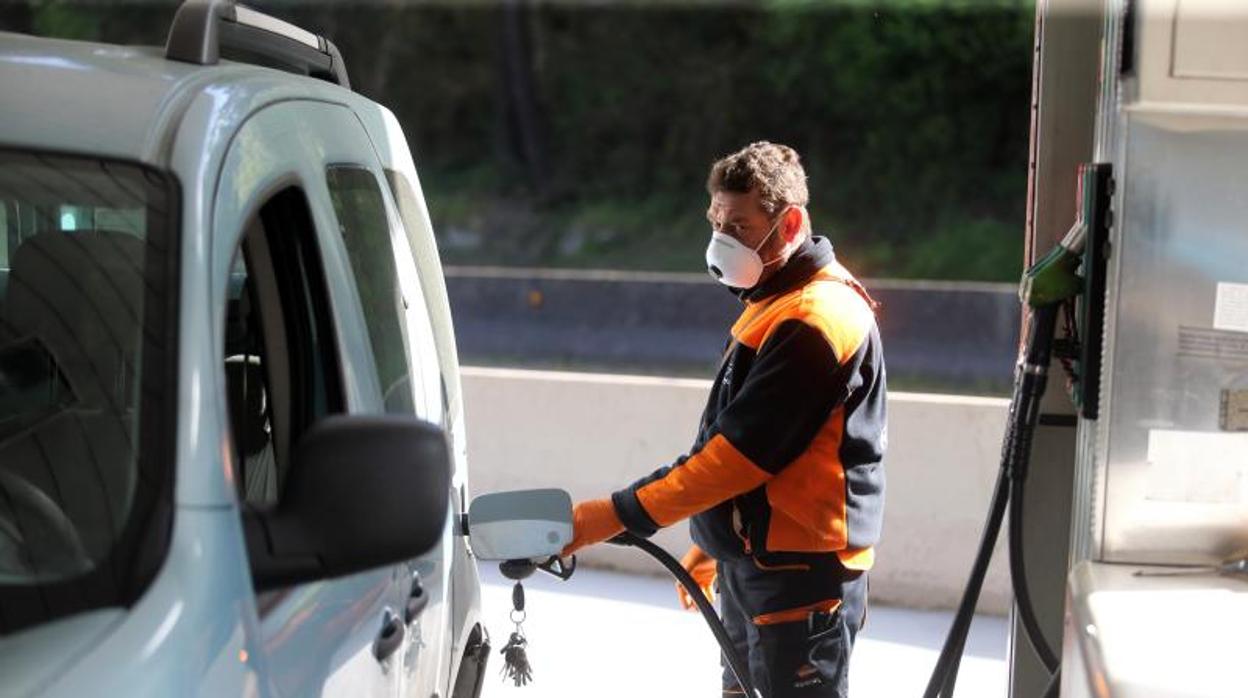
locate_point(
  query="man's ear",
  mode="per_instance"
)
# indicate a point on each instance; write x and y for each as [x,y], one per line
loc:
[792,225]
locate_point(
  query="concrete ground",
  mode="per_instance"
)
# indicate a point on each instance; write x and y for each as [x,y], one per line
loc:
[607,634]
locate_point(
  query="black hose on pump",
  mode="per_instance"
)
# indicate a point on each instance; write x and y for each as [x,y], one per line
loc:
[946,671]
[1034,380]
[1030,378]
[1022,590]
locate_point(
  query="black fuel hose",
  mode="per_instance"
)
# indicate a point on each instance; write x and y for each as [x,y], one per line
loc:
[1055,685]
[739,668]
[1022,590]
[1023,427]
[945,674]
[1030,379]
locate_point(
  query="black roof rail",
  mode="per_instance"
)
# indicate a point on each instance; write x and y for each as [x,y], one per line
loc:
[201,28]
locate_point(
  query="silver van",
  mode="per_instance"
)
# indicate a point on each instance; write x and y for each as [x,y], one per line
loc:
[232,455]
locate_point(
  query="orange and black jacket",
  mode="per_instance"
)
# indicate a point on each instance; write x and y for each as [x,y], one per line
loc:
[788,458]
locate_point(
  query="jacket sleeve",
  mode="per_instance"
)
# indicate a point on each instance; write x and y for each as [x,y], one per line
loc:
[795,383]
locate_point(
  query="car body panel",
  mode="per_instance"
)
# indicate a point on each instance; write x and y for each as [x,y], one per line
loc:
[23,657]
[317,637]
[189,634]
[426,665]
[67,77]
[463,586]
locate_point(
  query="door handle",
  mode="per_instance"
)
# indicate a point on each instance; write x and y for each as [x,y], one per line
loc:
[417,599]
[390,637]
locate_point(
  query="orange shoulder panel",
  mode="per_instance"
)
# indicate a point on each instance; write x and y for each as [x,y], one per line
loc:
[758,319]
[827,303]
[836,310]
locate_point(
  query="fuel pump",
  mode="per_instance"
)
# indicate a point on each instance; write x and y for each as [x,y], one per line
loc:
[1067,282]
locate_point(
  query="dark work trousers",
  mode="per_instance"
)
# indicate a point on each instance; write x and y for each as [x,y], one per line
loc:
[792,651]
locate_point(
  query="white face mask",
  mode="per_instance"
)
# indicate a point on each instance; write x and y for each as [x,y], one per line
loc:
[733,264]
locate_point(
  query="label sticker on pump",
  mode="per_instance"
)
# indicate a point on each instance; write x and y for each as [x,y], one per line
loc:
[1230,310]
[1233,410]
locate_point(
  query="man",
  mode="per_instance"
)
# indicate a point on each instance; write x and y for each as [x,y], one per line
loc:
[785,482]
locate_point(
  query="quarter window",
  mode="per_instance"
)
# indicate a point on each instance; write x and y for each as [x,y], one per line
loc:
[366,234]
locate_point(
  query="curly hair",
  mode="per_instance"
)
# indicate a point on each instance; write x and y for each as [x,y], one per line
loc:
[774,169]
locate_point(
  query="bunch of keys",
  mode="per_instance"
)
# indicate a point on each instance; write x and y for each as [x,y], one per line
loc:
[515,658]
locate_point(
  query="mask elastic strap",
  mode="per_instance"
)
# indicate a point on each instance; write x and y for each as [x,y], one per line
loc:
[775,226]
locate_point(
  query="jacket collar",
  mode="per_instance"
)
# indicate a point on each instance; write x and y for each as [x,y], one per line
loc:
[812,255]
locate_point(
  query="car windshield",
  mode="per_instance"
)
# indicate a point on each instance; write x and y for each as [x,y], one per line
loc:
[86,316]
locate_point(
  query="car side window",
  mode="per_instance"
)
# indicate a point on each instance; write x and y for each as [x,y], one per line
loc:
[429,365]
[281,364]
[365,230]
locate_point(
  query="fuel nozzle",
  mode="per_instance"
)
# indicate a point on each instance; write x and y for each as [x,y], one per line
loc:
[1055,277]
[554,565]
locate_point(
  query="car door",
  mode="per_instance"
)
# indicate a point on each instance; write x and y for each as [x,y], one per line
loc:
[407,370]
[296,349]
[455,600]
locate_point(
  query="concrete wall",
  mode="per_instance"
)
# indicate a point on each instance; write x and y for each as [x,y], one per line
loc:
[592,433]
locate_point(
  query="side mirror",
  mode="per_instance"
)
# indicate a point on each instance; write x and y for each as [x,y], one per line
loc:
[520,525]
[362,492]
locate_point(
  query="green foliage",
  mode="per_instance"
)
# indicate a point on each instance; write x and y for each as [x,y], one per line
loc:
[60,19]
[982,249]
[127,23]
[912,121]
[571,134]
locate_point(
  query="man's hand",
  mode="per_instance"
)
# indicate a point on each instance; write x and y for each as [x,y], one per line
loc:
[702,568]
[593,522]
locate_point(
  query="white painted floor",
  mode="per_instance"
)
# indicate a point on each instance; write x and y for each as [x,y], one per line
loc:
[606,634]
